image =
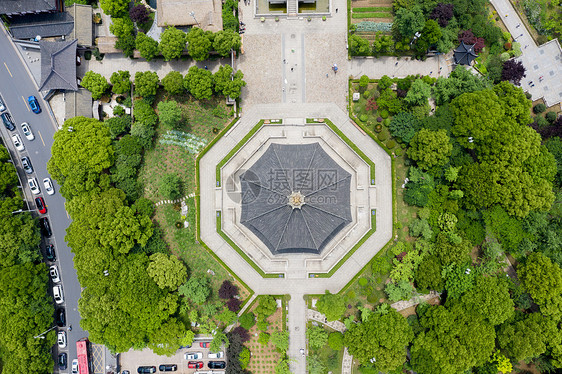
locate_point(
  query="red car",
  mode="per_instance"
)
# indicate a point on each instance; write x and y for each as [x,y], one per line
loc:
[40,204]
[205,344]
[195,364]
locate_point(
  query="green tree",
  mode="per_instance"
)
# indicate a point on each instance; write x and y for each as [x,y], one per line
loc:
[228,84]
[408,21]
[173,82]
[247,320]
[459,81]
[196,289]
[527,338]
[404,126]
[199,82]
[126,43]
[169,114]
[418,93]
[335,340]
[167,271]
[383,336]
[331,305]
[121,81]
[95,83]
[170,186]
[317,337]
[363,81]
[244,357]
[219,339]
[79,172]
[263,339]
[428,274]
[226,40]
[118,125]
[167,339]
[430,148]
[543,280]
[115,8]
[172,43]
[359,46]
[266,306]
[314,365]
[122,27]
[199,43]
[144,113]
[431,33]
[146,83]
[280,340]
[148,47]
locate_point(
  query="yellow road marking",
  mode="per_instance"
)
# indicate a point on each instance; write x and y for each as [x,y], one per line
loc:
[39,132]
[25,102]
[8,70]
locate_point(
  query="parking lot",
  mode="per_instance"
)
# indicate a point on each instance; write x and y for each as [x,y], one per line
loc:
[132,359]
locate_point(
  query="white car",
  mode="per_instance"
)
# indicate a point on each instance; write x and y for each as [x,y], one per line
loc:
[193,356]
[27,131]
[17,142]
[75,366]
[33,186]
[49,186]
[61,339]
[54,272]
[58,295]
[216,355]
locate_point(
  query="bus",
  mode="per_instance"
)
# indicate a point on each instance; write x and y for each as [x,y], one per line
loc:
[83,356]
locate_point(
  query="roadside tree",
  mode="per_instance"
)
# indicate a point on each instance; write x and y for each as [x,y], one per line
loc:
[95,83]
[173,82]
[148,47]
[146,83]
[121,81]
[199,82]
[172,43]
[199,43]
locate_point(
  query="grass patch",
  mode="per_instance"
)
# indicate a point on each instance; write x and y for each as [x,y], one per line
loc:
[372,15]
[373,9]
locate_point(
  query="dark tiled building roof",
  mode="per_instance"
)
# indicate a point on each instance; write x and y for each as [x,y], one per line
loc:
[464,54]
[11,7]
[45,25]
[58,65]
[295,198]
[78,103]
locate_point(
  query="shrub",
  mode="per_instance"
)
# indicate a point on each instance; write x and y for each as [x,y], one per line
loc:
[363,282]
[233,305]
[507,46]
[378,127]
[391,144]
[170,186]
[366,291]
[539,108]
[118,110]
[399,151]
[541,121]
[386,121]
[247,320]
[263,338]
[550,116]
[382,136]
[379,119]
[384,114]
[263,325]
[335,341]
[363,117]
[366,94]
[363,81]
[372,298]
[227,290]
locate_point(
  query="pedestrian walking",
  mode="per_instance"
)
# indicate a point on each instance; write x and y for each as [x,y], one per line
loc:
[336,10]
[506,15]
[518,25]
[284,61]
[396,64]
[326,75]
[292,69]
[283,89]
[525,47]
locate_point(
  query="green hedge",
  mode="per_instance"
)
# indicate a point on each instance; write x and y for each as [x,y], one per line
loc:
[373,9]
[372,15]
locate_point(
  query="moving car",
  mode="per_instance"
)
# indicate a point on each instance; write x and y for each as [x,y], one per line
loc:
[146,369]
[8,121]
[45,227]
[32,183]
[49,186]
[75,366]
[193,355]
[168,367]
[34,104]
[61,339]
[216,355]
[216,364]
[27,131]
[17,142]
[195,364]
[50,252]
[60,317]
[58,295]
[62,361]
[205,344]
[40,204]
[2,105]
[54,272]
[26,162]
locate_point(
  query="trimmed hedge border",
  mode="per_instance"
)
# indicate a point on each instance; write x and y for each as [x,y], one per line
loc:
[372,9]
[372,15]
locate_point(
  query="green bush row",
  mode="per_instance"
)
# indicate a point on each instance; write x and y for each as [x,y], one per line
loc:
[372,15]
[373,9]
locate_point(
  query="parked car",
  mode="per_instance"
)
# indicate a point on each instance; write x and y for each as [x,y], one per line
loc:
[17,142]
[40,204]
[216,364]
[216,355]
[26,162]
[193,356]
[62,361]
[60,317]
[61,339]
[8,121]
[2,105]
[54,272]
[49,186]
[45,227]
[58,295]
[168,367]
[34,104]
[205,344]
[146,369]
[33,186]
[195,364]
[27,131]
[50,252]
[75,366]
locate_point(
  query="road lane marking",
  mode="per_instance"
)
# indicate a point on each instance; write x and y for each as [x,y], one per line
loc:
[25,102]
[39,132]
[8,70]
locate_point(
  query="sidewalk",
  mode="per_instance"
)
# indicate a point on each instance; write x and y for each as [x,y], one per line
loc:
[375,68]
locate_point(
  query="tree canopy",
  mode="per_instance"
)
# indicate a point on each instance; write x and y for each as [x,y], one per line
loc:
[199,82]
[95,83]
[199,43]
[172,43]
[121,81]
[146,83]
[331,305]
[148,47]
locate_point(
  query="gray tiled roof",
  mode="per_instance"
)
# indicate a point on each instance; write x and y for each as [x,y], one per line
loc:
[27,6]
[286,169]
[58,65]
[464,54]
[78,103]
[46,25]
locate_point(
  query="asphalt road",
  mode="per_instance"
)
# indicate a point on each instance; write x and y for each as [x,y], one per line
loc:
[16,84]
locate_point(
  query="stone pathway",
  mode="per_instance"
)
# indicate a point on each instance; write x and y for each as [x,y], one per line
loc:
[375,68]
[175,201]
[404,304]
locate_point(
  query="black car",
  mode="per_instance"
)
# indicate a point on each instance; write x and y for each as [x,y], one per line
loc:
[146,369]
[63,361]
[168,367]
[8,121]
[2,105]
[45,227]
[216,364]
[26,162]
[60,317]
[50,252]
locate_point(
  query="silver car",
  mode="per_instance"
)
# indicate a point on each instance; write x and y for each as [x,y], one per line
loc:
[17,142]
[27,131]
[33,186]
[54,272]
